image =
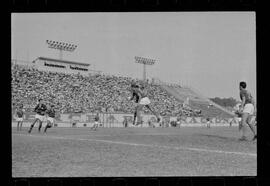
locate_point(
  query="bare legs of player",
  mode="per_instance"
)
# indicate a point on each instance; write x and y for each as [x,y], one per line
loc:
[94,127]
[40,125]
[139,120]
[19,125]
[134,117]
[251,124]
[242,127]
[138,114]
[32,125]
[49,125]
[153,112]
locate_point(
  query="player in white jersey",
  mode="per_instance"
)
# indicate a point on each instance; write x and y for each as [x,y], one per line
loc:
[247,109]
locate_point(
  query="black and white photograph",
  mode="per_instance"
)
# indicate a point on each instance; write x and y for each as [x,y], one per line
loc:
[133,94]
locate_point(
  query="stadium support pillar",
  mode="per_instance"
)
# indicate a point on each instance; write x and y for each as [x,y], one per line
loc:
[144,72]
[144,61]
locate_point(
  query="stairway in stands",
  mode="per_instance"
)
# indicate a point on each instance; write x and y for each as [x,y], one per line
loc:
[197,101]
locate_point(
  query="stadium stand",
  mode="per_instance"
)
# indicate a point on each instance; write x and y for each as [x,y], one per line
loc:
[197,101]
[80,94]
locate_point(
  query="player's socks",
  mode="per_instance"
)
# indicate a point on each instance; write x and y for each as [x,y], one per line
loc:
[29,131]
[31,126]
[39,127]
[134,120]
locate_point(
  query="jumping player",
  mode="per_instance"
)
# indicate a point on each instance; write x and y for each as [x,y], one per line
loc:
[19,117]
[50,119]
[95,126]
[40,110]
[247,110]
[140,95]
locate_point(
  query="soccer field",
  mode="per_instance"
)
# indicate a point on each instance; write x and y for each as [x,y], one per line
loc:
[125,152]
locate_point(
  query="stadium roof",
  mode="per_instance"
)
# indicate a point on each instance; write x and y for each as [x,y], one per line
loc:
[62,61]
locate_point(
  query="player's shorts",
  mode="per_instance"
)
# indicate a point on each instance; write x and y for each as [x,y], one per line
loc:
[50,119]
[40,117]
[249,108]
[96,123]
[239,119]
[19,119]
[145,101]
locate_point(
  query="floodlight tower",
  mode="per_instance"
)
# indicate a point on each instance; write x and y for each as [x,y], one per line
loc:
[144,61]
[61,46]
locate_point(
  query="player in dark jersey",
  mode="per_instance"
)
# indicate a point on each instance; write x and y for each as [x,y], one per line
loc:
[136,97]
[19,117]
[40,110]
[247,109]
[50,117]
[140,96]
[96,123]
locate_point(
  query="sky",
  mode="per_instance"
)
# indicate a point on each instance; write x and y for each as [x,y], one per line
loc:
[209,51]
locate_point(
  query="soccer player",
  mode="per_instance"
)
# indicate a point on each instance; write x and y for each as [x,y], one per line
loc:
[208,122]
[50,119]
[19,117]
[178,122]
[40,110]
[95,126]
[247,110]
[140,95]
[125,122]
[135,96]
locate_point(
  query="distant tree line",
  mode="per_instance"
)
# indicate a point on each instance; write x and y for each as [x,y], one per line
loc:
[224,102]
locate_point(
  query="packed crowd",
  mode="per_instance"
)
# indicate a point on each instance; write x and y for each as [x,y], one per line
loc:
[77,93]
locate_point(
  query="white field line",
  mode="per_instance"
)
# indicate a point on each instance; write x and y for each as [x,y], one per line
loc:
[137,134]
[145,145]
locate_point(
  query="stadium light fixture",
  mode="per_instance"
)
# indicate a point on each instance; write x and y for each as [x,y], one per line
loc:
[144,61]
[61,46]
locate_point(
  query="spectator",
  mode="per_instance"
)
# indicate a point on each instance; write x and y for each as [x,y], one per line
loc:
[125,122]
[77,93]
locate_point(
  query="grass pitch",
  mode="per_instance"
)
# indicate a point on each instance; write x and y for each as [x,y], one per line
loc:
[127,152]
